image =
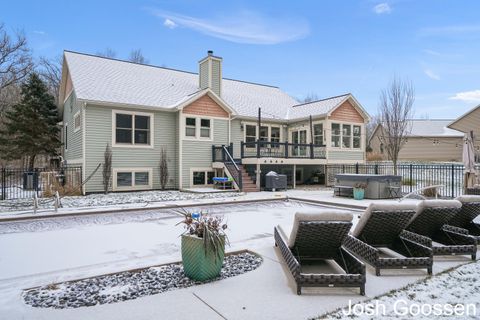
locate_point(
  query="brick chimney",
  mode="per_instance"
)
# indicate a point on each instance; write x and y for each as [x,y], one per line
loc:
[210,73]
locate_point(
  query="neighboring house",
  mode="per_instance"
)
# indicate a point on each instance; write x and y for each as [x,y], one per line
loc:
[469,122]
[140,109]
[426,140]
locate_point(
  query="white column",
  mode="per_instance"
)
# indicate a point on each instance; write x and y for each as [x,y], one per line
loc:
[294,176]
[258,172]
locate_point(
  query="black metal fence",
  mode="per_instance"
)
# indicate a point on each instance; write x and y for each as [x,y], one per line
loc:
[18,183]
[261,149]
[414,176]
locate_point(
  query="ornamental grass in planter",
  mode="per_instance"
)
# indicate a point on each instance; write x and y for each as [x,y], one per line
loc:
[203,245]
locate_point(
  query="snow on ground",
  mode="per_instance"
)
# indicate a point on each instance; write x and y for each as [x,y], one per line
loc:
[458,286]
[102,200]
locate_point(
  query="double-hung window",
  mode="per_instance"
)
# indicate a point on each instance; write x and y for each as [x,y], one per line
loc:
[357,134]
[318,134]
[77,121]
[198,128]
[132,129]
[275,136]
[346,136]
[336,135]
[250,135]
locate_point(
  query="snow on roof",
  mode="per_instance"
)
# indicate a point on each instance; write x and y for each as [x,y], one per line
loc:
[432,128]
[319,107]
[109,80]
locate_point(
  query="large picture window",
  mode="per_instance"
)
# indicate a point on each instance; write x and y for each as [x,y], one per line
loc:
[132,129]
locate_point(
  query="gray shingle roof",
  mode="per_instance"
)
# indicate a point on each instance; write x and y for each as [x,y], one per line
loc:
[432,128]
[114,81]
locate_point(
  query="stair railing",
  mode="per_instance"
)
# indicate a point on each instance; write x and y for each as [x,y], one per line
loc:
[230,163]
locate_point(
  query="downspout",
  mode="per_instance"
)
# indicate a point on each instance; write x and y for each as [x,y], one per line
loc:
[180,149]
[84,134]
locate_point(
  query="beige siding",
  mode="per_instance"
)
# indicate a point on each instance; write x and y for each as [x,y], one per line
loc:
[99,134]
[424,149]
[73,150]
[217,77]
[198,153]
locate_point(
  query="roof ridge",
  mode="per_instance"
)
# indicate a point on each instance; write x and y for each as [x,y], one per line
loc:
[166,68]
[340,95]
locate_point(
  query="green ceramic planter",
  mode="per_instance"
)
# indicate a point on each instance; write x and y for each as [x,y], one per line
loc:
[358,193]
[198,264]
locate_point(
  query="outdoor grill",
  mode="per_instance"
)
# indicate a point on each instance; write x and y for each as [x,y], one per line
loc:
[275,181]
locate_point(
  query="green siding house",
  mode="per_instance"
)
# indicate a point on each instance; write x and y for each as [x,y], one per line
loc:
[207,125]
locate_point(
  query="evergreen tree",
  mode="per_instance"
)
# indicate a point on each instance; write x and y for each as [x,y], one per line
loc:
[31,125]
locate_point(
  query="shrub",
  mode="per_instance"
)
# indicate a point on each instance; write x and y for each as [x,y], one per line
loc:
[374,156]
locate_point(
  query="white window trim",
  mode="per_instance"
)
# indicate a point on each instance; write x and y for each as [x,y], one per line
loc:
[353,135]
[75,116]
[132,145]
[132,171]
[341,123]
[198,124]
[203,169]
[306,126]
[323,131]
[257,131]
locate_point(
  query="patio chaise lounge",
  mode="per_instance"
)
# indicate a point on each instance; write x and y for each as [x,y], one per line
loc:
[464,218]
[316,239]
[380,240]
[431,229]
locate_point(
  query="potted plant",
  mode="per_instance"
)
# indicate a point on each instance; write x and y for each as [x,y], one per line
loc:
[203,245]
[359,190]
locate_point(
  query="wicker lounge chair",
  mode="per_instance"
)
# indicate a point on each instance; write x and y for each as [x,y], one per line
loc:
[315,238]
[430,223]
[381,227]
[464,218]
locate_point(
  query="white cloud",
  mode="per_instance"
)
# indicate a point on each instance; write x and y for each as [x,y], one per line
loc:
[431,74]
[432,52]
[467,96]
[242,27]
[40,32]
[382,8]
[169,24]
[449,30]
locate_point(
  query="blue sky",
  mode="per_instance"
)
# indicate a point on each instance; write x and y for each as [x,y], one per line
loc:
[322,47]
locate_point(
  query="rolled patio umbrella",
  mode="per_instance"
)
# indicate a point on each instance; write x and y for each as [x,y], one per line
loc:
[468,158]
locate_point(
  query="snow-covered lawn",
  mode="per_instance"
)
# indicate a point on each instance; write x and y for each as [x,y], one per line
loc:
[103,200]
[460,286]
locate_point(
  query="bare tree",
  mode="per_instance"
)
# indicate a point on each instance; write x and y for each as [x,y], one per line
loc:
[50,70]
[310,97]
[163,168]
[15,58]
[395,110]
[137,57]
[107,168]
[107,53]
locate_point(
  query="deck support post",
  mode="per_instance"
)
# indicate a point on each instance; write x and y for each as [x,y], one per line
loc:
[294,176]
[258,176]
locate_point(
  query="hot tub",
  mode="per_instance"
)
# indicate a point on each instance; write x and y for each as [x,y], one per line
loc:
[378,186]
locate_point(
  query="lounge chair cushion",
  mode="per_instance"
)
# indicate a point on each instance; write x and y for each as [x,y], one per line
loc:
[424,204]
[468,198]
[319,215]
[380,206]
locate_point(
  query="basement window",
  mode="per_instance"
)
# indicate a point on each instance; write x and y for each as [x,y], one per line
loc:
[131,179]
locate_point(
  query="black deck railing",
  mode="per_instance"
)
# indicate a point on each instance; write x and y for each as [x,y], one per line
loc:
[19,183]
[264,149]
[225,154]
